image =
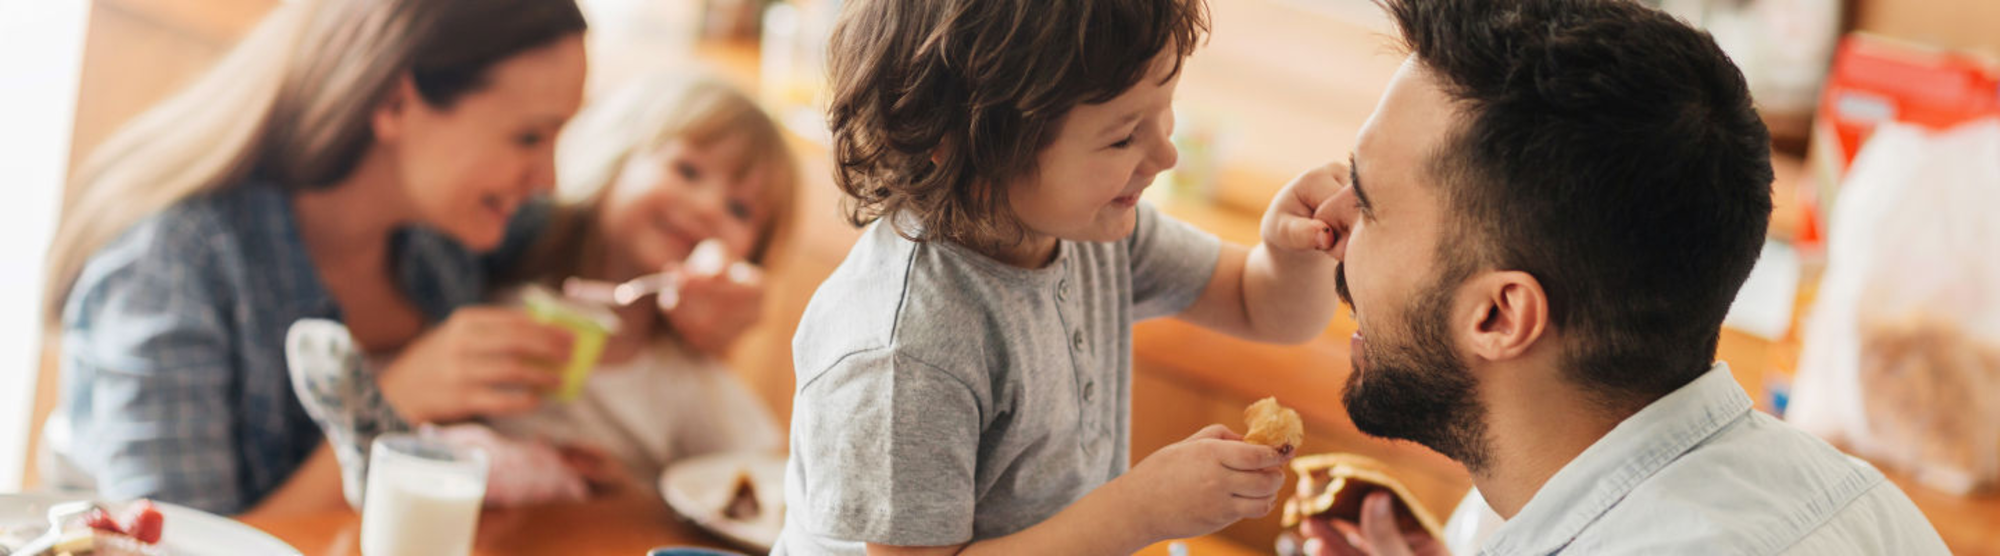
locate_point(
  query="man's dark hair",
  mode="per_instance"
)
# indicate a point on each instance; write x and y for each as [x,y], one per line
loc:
[937,105]
[1611,151]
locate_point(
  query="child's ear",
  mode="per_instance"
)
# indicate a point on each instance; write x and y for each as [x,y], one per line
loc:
[938,152]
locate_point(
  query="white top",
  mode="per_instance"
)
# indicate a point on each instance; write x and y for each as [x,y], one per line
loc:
[663,405]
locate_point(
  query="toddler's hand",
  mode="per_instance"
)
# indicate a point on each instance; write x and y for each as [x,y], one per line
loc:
[1301,218]
[519,472]
[1202,484]
[719,300]
[596,467]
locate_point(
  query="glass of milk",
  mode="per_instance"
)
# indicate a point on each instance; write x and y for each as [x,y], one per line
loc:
[423,497]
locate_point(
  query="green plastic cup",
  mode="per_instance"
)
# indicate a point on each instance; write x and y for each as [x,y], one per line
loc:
[591,326]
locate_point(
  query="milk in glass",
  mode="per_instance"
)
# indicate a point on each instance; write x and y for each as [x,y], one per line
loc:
[423,498]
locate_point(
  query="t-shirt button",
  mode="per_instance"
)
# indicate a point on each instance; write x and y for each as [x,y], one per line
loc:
[1090,391]
[1062,291]
[1076,339]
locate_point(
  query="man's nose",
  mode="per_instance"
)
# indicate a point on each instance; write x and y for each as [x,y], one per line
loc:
[1340,212]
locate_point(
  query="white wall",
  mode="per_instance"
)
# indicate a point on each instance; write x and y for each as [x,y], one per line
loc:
[41,51]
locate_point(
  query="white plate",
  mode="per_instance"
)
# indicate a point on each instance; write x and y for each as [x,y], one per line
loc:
[187,531]
[700,487]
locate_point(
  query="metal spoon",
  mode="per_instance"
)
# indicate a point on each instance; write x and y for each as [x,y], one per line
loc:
[59,515]
[666,284]
[709,256]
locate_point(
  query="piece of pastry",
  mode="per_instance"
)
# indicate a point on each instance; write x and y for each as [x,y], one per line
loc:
[135,532]
[743,504]
[1334,485]
[1273,425]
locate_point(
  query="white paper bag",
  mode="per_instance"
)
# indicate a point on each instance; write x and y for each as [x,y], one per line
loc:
[1901,358]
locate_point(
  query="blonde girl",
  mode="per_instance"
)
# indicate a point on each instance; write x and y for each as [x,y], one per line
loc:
[667,163]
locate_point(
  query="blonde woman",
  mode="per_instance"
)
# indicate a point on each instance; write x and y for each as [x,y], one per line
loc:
[364,161]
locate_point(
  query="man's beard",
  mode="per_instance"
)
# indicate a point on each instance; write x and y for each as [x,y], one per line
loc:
[1415,387]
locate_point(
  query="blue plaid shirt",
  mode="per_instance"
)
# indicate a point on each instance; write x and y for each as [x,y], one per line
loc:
[173,367]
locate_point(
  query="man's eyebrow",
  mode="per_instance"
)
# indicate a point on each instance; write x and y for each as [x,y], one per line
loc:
[1354,179]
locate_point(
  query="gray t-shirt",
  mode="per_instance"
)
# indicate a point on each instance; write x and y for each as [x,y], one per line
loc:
[945,397]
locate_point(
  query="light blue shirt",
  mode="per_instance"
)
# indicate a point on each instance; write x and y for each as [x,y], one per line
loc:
[1699,472]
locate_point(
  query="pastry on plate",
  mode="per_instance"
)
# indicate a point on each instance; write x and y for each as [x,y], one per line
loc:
[135,531]
[743,505]
[1334,485]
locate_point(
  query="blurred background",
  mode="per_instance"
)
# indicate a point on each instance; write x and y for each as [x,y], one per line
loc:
[1870,320]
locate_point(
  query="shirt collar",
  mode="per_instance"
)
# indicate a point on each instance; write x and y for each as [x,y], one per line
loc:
[1601,476]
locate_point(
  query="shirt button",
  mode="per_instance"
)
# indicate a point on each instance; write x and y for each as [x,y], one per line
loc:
[1076,339]
[1090,391]
[1062,291]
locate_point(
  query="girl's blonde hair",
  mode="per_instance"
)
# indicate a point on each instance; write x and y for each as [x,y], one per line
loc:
[291,104]
[640,118]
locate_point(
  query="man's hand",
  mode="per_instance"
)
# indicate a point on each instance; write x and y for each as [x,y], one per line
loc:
[1377,534]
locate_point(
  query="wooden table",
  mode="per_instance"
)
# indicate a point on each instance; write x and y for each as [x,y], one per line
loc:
[627,524]
[620,525]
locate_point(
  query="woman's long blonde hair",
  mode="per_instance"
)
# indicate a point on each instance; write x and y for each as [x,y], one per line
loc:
[642,117]
[291,104]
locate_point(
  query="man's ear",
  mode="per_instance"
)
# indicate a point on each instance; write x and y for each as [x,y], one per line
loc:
[1502,314]
[390,114]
